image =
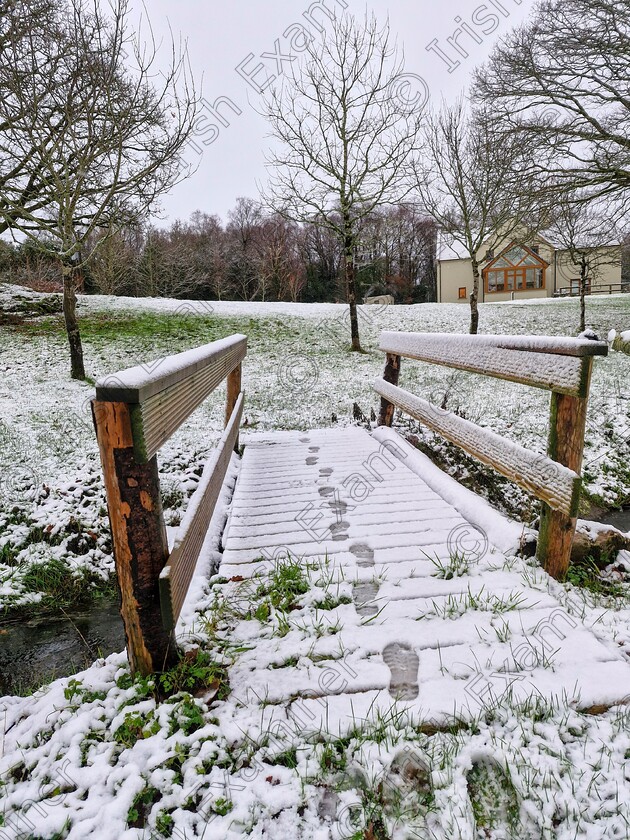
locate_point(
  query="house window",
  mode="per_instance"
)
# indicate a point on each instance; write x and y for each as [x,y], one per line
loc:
[462,293]
[517,269]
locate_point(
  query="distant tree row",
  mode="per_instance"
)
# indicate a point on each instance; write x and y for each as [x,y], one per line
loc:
[257,255]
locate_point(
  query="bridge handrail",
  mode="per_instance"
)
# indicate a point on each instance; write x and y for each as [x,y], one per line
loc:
[560,365]
[135,412]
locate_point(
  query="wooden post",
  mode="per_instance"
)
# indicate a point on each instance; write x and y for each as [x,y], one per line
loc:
[139,538]
[233,392]
[391,375]
[566,445]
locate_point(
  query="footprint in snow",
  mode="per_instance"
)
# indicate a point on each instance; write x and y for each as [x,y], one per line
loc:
[312,461]
[494,800]
[364,595]
[364,555]
[403,663]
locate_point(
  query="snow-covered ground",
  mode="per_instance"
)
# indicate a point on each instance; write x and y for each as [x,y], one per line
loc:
[97,756]
[298,374]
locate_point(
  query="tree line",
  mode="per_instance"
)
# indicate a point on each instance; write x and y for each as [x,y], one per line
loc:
[257,255]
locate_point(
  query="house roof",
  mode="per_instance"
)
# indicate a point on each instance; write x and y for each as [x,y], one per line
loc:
[448,249]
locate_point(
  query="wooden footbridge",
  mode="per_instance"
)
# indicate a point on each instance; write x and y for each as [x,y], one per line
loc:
[366,503]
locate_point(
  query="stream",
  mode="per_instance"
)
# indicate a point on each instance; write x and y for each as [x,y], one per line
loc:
[620,519]
[32,653]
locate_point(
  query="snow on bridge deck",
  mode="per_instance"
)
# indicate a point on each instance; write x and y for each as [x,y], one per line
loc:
[437,634]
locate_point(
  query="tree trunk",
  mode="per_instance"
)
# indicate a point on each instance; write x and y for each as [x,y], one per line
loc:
[351,288]
[474,300]
[70,279]
[583,278]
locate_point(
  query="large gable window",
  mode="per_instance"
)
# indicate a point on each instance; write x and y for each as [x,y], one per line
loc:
[516,270]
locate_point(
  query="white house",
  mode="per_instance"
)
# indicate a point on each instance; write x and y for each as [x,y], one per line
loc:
[537,269]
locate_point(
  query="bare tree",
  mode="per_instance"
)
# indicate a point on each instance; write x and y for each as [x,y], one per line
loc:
[586,233]
[280,271]
[346,141]
[28,31]
[96,141]
[243,234]
[561,80]
[479,191]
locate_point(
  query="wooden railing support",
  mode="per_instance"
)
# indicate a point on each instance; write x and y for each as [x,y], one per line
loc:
[139,538]
[391,375]
[566,446]
[234,382]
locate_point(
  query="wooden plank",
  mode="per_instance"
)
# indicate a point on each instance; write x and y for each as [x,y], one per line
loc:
[138,537]
[518,359]
[566,445]
[159,416]
[556,345]
[550,481]
[139,383]
[177,574]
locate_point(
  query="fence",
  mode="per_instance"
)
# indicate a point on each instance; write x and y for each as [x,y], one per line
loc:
[560,365]
[599,289]
[135,412]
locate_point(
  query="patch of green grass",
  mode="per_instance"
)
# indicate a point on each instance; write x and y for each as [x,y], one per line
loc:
[60,586]
[287,582]
[8,555]
[457,605]
[75,688]
[186,717]
[136,727]
[330,602]
[287,758]
[222,807]
[458,565]
[194,671]
[164,824]
[142,803]
[586,574]
[333,757]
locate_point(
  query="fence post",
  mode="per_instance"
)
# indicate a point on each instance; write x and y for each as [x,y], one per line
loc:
[391,375]
[233,392]
[566,445]
[139,538]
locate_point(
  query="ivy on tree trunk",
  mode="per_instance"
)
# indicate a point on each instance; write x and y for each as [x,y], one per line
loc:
[71,279]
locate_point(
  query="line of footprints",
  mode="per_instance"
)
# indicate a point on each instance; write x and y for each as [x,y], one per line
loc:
[401,659]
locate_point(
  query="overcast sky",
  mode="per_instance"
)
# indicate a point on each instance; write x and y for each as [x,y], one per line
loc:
[223,35]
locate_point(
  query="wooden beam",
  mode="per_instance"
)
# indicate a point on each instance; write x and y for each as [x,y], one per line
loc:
[138,537]
[527,360]
[566,445]
[556,345]
[177,574]
[138,384]
[391,375]
[553,482]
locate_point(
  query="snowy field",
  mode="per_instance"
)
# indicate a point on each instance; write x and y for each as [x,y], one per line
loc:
[99,755]
[298,374]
